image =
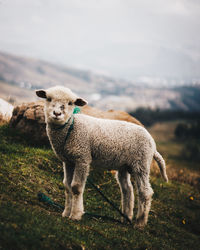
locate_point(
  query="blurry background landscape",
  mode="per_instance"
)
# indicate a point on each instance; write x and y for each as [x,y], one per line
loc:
[139,56]
[117,54]
[19,76]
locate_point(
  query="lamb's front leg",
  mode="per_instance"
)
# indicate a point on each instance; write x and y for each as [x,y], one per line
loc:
[78,185]
[68,175]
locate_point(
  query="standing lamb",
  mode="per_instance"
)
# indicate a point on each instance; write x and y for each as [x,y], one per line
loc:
[80,141]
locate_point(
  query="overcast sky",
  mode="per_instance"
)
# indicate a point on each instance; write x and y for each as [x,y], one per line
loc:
[123,38]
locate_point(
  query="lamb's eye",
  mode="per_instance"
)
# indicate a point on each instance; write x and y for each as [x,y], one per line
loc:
[70,103]
[49,99]
[62,107]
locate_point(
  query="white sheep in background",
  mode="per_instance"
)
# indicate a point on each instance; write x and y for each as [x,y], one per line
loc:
[6,110]
[80,141]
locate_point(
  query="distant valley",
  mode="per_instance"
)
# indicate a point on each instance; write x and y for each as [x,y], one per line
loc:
[20,76]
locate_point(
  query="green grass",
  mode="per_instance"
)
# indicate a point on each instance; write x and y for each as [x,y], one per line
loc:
[26,223]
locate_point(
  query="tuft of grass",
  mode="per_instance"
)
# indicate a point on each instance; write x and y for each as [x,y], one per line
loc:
[4,119]
[28,224]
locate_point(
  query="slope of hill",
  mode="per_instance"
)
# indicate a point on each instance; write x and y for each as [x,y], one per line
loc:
[101,91]
[28,224]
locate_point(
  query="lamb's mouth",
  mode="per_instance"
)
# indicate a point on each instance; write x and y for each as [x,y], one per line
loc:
[56,120]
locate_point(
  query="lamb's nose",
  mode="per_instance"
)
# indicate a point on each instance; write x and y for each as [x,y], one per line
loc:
[56,113]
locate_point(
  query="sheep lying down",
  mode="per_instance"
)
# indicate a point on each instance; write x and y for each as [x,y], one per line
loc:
[80,141]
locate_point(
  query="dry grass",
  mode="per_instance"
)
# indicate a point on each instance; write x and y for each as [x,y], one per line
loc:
[4,120]
[178,169]
[183,175]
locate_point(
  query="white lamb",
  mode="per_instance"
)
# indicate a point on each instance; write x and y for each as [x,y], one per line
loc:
[80,141]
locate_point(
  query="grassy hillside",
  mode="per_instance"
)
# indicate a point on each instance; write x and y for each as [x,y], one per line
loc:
[28,224]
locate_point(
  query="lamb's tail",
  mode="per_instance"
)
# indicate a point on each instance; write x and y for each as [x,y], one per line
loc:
[161,163]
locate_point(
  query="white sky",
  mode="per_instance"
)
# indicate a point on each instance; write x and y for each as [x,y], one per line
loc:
[123,38]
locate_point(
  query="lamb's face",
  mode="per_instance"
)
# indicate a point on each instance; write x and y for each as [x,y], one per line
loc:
[58,111]
[59,105]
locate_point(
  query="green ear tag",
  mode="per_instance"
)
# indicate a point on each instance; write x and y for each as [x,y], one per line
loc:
[76,110]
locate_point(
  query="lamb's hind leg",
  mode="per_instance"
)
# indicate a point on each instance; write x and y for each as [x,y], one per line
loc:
[127,195]
[78,185]
[145,193]
[68,175]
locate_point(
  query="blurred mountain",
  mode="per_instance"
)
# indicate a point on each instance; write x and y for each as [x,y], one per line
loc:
[20,76]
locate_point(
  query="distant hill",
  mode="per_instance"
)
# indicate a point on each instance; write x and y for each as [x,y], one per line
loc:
[19,76]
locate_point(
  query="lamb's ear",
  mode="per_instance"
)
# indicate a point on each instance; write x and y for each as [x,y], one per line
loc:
[80,102]
[41,93]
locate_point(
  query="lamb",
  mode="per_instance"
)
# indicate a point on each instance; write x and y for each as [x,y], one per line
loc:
[81,141]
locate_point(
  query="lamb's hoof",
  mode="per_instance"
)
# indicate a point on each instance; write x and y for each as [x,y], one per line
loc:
[139,224]
[76,216]
[65,214]
[125,221]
